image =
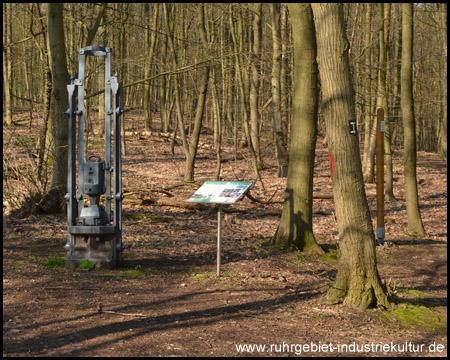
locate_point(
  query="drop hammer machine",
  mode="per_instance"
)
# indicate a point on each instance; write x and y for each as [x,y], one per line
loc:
[94,231]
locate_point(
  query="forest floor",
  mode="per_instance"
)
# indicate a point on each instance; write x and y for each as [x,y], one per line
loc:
[166,300]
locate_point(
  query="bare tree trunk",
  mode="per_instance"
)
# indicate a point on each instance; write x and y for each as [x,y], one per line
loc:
[177,96]
[60,77]
[204,79]
[295,228]
[123,74]
[443,129]
[45,136]
[382,91]
[279,136]
[284,83]
[7,62]
[241,84]
[255,83]
[357,282]
[368,84]
[227,85]
[369,173]
[165,118]
[93,31]
[396,77]
[148,70]
[369,163]
[407,104]
[193,145]
[54,133]
[217,125]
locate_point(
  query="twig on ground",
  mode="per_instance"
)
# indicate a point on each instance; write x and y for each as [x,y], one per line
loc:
[100,310]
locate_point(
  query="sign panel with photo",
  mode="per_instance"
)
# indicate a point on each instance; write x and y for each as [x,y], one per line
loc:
[220,192]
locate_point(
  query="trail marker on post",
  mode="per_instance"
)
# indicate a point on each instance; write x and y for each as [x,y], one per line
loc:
[221,193]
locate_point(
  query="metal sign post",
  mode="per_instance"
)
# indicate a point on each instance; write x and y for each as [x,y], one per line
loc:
[221,193]
[219,236]
[92,233]
[380,177]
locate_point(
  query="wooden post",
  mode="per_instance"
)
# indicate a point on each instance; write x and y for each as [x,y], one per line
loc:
[380,176]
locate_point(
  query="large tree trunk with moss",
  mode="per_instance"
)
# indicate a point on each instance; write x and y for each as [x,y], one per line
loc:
[295,229]
[407,106]
[357,282]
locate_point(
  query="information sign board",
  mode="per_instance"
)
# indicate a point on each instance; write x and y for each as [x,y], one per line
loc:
[220,192]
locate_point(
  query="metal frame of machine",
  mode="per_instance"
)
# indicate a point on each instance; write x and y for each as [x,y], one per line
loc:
[93,232]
